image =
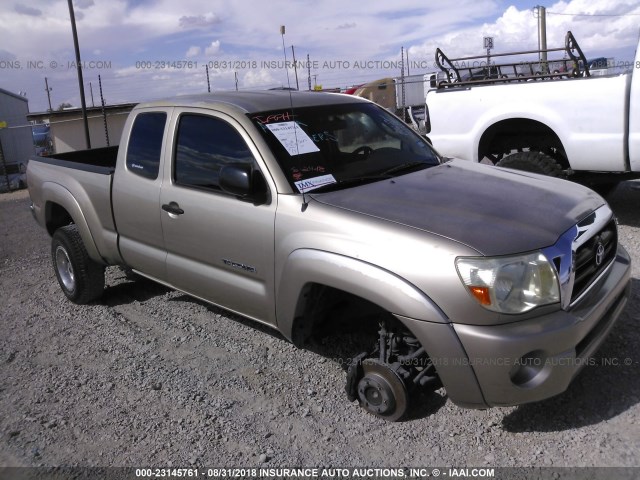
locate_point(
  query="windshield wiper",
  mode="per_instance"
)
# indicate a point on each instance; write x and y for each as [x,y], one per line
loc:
[350,182]
[384,175]
[405,166]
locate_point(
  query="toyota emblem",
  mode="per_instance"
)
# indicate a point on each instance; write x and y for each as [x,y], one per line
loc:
[599,254]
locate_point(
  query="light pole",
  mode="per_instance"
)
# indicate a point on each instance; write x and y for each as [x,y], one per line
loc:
[83,103]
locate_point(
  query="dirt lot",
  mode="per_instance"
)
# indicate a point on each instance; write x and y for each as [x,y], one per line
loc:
[151,377]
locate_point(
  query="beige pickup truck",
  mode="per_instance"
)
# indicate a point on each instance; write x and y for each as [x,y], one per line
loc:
[302,210]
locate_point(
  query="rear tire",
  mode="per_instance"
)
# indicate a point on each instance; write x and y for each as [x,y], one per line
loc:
[81,278]
[534,162]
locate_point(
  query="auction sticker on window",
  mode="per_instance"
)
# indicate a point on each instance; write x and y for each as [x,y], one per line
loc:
[313,183]
[293,138]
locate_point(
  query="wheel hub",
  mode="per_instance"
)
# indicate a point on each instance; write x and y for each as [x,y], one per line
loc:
[65,269]
[381,391]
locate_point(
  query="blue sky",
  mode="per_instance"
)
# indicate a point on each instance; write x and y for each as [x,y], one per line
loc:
[146,49]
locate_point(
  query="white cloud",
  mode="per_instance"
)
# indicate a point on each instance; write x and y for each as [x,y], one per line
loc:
[517,30]
[129,31]
[213,48]
[261,78]
[193,52]
[199,21]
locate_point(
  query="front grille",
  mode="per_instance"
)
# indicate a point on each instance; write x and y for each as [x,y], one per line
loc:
[593,257]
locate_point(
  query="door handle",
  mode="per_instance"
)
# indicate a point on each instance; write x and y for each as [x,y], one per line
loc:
[172,208]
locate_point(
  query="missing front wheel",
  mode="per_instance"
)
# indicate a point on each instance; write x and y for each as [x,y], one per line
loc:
[383,380]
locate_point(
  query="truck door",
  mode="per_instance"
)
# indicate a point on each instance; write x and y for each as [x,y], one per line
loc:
[219,248]
[136,192]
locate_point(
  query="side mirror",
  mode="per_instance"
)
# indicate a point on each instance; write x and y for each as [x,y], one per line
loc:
[244,182]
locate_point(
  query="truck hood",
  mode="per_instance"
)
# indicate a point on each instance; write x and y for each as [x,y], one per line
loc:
[492,210]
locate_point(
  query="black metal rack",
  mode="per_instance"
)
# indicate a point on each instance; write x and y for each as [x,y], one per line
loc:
[480,72]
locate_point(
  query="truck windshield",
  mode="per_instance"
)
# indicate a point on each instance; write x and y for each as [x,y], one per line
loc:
[336,146]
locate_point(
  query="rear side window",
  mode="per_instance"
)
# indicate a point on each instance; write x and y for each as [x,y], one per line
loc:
[204,145]
[145,144]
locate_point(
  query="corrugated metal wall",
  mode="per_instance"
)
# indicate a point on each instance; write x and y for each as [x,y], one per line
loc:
[16,138]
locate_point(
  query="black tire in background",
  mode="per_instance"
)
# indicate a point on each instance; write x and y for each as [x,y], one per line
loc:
[535,162]
[81,278]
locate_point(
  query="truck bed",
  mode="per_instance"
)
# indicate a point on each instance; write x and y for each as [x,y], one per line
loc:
[97,160]
[73,179]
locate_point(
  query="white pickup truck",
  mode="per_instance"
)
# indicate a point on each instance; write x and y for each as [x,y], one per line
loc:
[553,118]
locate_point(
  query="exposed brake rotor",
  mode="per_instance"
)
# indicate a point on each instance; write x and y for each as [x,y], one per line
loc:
[381,391]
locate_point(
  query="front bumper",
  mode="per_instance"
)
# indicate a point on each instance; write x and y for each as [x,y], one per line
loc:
[529,360]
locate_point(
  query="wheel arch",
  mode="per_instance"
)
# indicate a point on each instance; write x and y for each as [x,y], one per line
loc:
[61,209]
[309,269]
[521,133]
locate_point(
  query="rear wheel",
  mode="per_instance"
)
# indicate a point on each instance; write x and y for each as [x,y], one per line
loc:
[81,278]
[535,162]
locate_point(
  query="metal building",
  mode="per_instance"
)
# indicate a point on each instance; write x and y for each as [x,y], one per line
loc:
[67,127]
[16,141]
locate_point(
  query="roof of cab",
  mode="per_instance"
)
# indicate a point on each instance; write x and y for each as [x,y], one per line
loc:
[255,100]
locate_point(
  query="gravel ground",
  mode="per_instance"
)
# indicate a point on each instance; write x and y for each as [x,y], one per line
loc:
[151,377]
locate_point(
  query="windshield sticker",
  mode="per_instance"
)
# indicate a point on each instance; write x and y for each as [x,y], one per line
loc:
[298,172]
[313,183]
[293,138]
[277,117]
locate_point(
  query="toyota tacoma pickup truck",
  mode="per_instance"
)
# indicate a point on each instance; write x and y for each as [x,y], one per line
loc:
[310,212]
[553,117]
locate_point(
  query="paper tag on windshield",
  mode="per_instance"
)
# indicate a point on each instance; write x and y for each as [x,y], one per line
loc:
[293,138]
[313,183]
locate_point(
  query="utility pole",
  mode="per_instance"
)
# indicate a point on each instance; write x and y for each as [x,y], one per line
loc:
[48,90]
[309,71]
[91,89]
[208,84]
[104,114]
[542,36]
[403,97]
[79,67]
[295,67]
[236,75]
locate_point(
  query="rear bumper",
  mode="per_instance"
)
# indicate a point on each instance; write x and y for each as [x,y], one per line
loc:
[530,360]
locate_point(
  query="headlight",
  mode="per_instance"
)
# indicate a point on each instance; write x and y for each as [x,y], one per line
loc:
[510,284]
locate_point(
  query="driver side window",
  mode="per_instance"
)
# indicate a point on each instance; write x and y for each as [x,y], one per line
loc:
[203,146]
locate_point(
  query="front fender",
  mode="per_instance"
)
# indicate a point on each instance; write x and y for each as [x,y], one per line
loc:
[56,193]
[379,286]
